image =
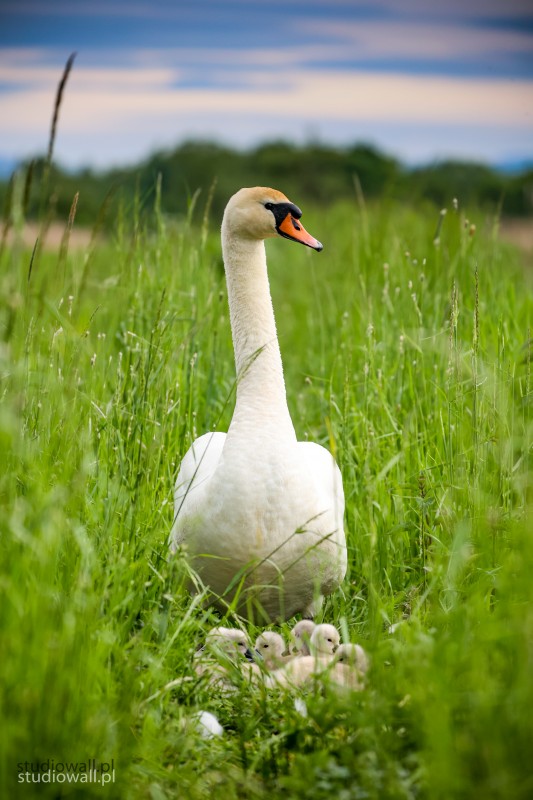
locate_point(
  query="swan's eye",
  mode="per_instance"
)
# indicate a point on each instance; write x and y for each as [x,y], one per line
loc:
[269,206]
[265,646]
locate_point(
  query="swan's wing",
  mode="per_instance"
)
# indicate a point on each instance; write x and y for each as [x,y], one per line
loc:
[328,481]
[329,503]
[197,467]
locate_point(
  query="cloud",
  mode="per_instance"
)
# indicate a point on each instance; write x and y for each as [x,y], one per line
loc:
[457,9]
[119,114]
[28,78]
[396,72]
[421,39]
[311,93]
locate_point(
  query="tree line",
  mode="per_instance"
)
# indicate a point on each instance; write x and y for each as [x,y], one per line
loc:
[311,173]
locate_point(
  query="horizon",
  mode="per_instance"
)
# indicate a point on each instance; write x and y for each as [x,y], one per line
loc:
[512,167]
[421,84]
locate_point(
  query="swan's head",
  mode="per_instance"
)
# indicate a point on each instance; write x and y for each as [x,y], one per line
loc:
[230,641]
[301,636]
[324,640]
[352,655]
[270,643]
[259,213]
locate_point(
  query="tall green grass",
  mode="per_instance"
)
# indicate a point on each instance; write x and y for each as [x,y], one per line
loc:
[406,353]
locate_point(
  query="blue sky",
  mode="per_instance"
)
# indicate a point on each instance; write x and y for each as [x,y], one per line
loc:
[421,80]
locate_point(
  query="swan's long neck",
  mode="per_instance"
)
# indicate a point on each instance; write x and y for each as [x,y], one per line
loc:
[261,399]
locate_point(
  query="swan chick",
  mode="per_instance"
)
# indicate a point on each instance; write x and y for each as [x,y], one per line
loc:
[301,636]
[312,670]
[230,641]
[324,640]
[352,655]
[271,646]
[224,648]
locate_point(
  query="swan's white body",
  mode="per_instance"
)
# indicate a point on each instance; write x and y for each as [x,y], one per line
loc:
[259,514]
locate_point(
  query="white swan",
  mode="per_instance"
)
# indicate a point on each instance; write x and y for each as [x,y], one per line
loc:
[260,514]
[322,645]
[341,667]
[301,636]
[225,652]
[324,640]
[324,674]
[353,655]
[271,646]
[231,641]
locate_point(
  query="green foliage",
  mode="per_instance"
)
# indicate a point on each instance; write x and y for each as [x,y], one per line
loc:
[312,173]
[409,356]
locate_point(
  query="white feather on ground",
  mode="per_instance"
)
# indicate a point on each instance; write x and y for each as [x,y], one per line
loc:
[207,724]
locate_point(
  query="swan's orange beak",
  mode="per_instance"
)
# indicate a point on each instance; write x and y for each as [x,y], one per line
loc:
[292,228]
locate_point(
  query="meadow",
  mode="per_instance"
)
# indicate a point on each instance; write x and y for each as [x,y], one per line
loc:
[407,351]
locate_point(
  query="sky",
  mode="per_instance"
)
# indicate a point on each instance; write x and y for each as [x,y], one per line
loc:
[423,80]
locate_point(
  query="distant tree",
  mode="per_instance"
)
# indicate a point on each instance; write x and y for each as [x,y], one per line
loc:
[376,172]
[471,184]
[314,172]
